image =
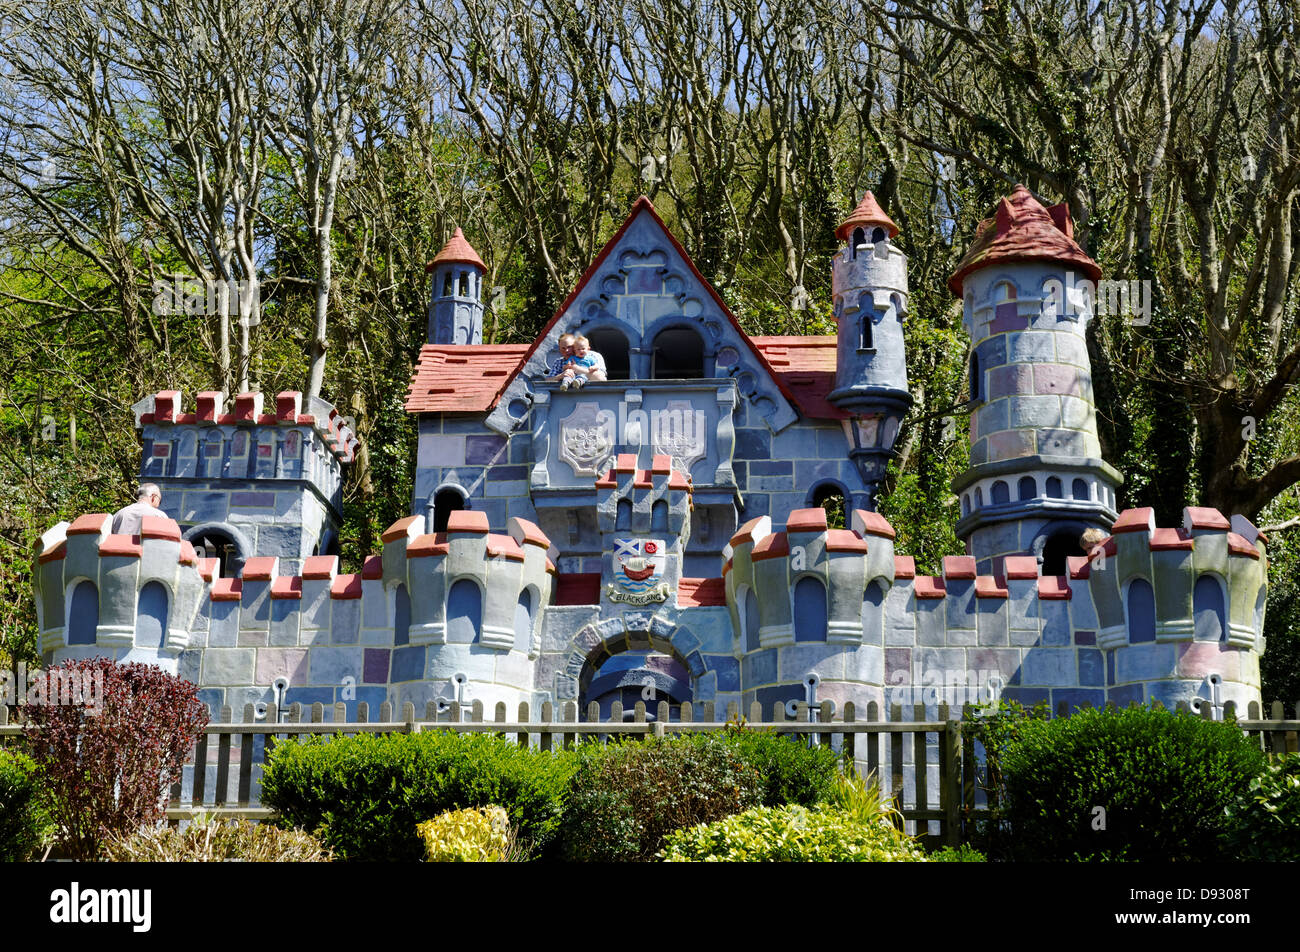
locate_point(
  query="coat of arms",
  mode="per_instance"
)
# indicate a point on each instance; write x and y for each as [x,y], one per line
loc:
[638,574]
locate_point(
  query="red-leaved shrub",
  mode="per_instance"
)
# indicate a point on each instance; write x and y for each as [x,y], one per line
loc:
[106,762]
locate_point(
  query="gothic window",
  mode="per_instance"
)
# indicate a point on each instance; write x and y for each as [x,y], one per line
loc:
[1028,488]
[151,616]
[678,354]
[445,502]
[1141,611]
[464,612]
[612,345]
[1207,610]
[865,341]
[83,614]
[809,609]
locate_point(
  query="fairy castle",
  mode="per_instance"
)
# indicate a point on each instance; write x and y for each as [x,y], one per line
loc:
[662,534]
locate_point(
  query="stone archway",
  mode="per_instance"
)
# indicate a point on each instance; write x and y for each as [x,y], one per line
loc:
[597,643]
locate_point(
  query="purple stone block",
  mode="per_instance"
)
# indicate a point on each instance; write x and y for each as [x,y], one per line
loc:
[898,661]
[375,666]
[1085,637]
[1126,695]
[644,281]
[1010,379]
[248,500]
[1058,379]
[484,450]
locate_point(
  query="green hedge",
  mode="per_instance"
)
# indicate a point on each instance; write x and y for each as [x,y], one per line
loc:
[24,823]
[790,771]
[626,797]
[364,796]
[792,834]
[1135,784]
[1265,823]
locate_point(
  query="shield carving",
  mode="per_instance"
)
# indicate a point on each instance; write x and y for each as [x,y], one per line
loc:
[586,438]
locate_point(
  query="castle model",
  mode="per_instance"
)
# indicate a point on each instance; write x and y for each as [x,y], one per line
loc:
[664,530]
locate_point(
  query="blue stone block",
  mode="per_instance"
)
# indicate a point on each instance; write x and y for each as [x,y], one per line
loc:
[214,698]
[1110,668]
[485,450]
[795,442]
[1085,637]
[334,666]
[1092,669]
[740,469]
[1077,698]
[1082,610]
[1052,666]
[255,601]
[781,692]
[1056,622]
[756,504]
[759,668]
[810,472]
[188,664]
[223,629]
[309,696]
[1144,662]
[408,664]
[345,621]
[1126,695]
[496,512]
[831,444]
[992,352]
[728,670]
[508,473]
[929,614]
[1025,697]
[1170,693]
[714,632]
[521,448]
[1023,603]
[753,444]
[373,697]
[771,468]
[960,603]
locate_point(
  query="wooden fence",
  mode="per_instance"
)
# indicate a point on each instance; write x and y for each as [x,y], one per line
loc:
[928,763]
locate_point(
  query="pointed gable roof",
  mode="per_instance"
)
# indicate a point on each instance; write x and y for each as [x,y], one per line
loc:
[456,251]
[641,207]
[1023,230]
[867,214]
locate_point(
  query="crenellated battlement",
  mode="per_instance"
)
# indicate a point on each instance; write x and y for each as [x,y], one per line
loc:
[118,592]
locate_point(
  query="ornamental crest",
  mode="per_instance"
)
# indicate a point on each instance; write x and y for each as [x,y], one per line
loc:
[586,438]
[638,578]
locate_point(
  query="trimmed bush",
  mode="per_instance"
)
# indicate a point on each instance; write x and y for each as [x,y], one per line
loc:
[23,820]
[109,749]
[965,853]
[1265,823]
[790,771]
[791,834]
[364,796]
[628,796]
[206,842]
[1164,781]
[467,836]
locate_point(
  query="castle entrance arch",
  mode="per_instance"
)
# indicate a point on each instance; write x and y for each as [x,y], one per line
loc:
[614,661]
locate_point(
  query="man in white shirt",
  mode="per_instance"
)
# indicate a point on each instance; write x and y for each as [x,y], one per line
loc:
[126,521]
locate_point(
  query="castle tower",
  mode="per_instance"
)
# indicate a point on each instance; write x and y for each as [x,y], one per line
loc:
[248,483]
[869,288]
[1036,480]
[456,293]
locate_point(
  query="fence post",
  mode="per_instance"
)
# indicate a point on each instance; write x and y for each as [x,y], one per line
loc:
[950,781]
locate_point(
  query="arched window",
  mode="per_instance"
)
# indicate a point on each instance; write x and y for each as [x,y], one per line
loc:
[1141,611]
[749,620]
[1079,489]
[979,497]
[1003,292]
[215,543]
[1059,547]
[463,291]
[877,235]
[83,614]
[1207,610]
[1028,488]
[1054,487]
[151,616]
[623,515]
[401,617]
[678,354]
[464,612]
[446,284]
[524,621]
[445,502]
[612,345]
[1000,492]
[965,504]
[659,516]
[859,238]
[873,616]
[865,341]
[830,496]
[809,609]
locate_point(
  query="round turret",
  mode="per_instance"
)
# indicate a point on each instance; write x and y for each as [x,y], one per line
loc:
[456,293]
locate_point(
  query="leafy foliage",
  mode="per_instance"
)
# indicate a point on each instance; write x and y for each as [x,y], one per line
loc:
[24,823]
[790,771]
[1164,781]
[1264,824]
[206,841]
[105,768]
[791,834]
[364,796]
[467,836]
[627,797]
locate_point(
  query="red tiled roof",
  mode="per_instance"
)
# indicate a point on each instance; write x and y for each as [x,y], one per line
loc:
[806,367]
[462,378]
[1023,230]
[457,249]
[693,592]
[866,214]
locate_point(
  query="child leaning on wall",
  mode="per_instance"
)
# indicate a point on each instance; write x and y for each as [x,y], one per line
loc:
[582,365]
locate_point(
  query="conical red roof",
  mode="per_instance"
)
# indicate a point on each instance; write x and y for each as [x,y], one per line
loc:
[1023,230]
[867,214]
[456,251]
